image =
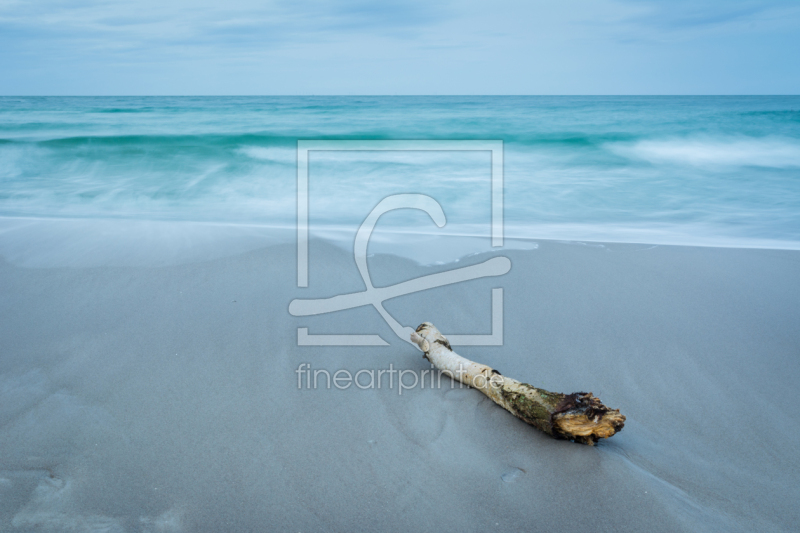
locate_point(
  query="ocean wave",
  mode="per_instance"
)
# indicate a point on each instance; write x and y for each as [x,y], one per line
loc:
[283,155]
[726,165]
[448,132]
[211,139]
[769,152]
[125,110]
[787,115]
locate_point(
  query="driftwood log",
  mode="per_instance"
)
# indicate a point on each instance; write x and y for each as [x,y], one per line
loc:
[579,417]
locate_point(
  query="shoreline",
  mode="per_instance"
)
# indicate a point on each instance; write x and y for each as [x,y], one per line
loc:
[92,242]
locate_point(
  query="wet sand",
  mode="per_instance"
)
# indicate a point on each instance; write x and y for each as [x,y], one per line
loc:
[165,398]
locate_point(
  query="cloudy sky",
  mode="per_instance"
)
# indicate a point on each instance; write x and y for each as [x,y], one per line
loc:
[399,47]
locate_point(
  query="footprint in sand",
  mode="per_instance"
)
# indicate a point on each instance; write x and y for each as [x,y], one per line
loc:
[512,475]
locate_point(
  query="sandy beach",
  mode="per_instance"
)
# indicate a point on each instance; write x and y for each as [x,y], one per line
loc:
[241,242]
[165,397]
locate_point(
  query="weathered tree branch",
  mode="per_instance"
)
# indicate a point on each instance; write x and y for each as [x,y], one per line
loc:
[579,417]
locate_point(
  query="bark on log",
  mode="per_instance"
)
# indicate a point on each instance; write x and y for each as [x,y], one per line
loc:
[579,417]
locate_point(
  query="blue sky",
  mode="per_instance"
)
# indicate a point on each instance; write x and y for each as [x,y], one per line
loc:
[392,47]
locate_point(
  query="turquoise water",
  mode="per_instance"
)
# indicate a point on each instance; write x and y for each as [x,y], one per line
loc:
[705,170]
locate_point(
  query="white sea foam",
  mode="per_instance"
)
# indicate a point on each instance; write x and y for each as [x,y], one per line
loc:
[690,234]
[287,156]
[773,152]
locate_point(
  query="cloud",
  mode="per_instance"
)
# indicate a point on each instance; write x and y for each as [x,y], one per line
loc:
[681,15]
[397,47]
[128,25]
